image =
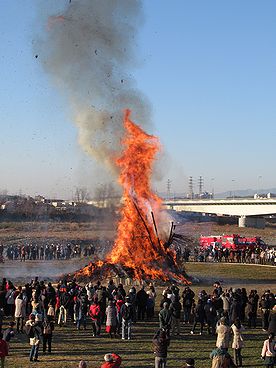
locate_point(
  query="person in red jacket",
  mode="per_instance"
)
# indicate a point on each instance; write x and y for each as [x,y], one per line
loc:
[95,314]
[4,351]
[112,360]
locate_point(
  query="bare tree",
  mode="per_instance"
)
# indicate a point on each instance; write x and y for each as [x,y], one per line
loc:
[82,194]
[106,196]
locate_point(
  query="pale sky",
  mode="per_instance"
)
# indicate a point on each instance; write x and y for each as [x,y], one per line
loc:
[208,69]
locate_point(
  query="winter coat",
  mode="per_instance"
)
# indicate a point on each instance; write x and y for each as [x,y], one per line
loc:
[37,333]
[111,315]
[220,359]
[235,310]
[165,316]
[141,298]
[116,363]
[175,307]
[199,313]
[20,308]
[223,337]
[268,348]
[10,296]
[95,312]
[127,311]
[3,348]
[237,337]
[210,312]
[161,345]
[226,302]
[272,321]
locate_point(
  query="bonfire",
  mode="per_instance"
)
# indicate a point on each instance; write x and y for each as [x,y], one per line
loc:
[141,250]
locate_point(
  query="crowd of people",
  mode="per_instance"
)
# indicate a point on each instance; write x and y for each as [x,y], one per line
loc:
[216,254]
[37,309]
[45,251]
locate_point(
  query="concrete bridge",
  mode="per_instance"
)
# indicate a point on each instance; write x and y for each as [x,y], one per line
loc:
[251,212]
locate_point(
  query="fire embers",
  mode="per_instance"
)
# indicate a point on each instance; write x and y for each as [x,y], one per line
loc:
[140,251]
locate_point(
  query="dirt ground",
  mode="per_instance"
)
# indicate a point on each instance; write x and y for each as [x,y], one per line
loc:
[30,231]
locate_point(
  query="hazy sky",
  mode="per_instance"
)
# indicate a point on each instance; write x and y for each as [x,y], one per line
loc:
[208,69]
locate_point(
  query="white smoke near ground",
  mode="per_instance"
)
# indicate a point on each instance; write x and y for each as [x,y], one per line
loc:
[45,270]
[89,51]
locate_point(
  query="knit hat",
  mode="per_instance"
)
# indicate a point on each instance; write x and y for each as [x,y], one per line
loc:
[190,362]
[82,364]
[108,357]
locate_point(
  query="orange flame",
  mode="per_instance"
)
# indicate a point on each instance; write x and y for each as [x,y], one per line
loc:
[138,251]
[137,245]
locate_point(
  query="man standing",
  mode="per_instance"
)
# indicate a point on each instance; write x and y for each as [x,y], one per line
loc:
[127,318]
[141,301]
[161,342]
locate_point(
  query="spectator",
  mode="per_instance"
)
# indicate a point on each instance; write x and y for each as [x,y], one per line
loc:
[237,343]
[199,316]
[161,342]
[20,312]
[95,314]
[223,337]
[33,331]
[175,308]
[151,302]
[127,318]
[47,334]
[141,302]
[3,350]
[268,351]
[221,359]
[111,360]
[111,319]
[165,317]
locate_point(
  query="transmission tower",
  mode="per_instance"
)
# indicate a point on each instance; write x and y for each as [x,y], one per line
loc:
[169,184]
[191,190]
[200,186]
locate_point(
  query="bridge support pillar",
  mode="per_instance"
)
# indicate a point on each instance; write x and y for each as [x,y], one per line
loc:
[247,221]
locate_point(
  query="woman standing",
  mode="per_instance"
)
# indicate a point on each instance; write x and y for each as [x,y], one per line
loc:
[237,343]
[268,351]
[111,318]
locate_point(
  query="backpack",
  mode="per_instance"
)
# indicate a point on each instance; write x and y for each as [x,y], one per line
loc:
[47,330]
[127,313]
[29,330]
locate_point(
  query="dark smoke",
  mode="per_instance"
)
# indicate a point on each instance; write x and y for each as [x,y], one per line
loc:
[89,51]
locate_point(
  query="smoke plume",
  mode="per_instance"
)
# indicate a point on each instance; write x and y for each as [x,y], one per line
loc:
[89,51]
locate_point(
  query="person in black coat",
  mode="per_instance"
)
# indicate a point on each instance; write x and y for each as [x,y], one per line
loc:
[211,316]
[252,308]
[199,316]
[175,307]
[141,302]
[161,342]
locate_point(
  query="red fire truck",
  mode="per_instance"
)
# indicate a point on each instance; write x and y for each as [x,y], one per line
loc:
[234,241]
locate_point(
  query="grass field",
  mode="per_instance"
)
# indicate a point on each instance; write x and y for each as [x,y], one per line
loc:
[71,345]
